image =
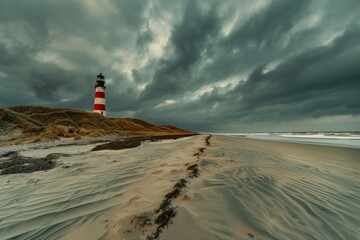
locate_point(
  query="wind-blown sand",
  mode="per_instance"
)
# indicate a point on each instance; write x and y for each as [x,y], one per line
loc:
[246,189]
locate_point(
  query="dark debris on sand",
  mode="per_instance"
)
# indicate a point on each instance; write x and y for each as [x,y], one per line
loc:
[135,142]
[207,140]
[173,194]
[194,171]
[14,163]
[199,152]
[165,213]
[132,143]
[165,204]
[181,183]
[142,221]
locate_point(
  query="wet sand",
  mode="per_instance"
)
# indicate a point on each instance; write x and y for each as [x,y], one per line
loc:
[232,188]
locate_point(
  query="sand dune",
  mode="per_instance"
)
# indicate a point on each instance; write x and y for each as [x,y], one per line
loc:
[246,189]
[28,124]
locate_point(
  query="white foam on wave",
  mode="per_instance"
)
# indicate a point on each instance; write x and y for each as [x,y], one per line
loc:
[348,136]
[338,139]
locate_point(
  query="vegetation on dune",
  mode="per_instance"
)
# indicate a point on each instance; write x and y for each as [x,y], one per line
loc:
[51,123]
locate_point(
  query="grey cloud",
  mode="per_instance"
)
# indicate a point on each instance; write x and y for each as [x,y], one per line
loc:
[318,70]
[144,38]
[269,25]
[189,40]
[285,62]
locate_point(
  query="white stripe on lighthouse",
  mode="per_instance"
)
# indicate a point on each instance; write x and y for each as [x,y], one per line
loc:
[99,101]
[100,112]
[99,89]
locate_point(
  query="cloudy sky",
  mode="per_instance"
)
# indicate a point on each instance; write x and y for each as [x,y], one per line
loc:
[230,65]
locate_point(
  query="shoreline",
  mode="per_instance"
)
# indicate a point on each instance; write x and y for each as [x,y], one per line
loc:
[307,141]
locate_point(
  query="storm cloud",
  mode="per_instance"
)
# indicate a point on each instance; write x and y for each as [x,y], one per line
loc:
[262,65]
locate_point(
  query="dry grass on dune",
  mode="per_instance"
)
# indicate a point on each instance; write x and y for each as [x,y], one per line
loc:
[51,123]
[18,119]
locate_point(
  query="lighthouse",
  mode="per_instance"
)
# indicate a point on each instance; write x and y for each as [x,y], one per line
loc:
[99,103]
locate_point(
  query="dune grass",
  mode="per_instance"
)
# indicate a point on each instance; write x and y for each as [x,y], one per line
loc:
[41,123]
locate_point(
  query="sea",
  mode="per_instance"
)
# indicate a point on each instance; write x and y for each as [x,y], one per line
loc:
[337,139]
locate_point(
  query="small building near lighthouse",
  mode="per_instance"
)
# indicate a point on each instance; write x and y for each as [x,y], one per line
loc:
[99,103]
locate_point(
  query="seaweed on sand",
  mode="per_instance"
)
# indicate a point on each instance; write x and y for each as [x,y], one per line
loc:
[181,183]
[194,171]
[19,164]
[142,221]
[136,141]
[163,220]
[207,140]
[173,194]
[165,204]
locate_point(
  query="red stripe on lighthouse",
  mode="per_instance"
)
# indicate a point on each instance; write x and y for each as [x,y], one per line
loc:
[99,95]
[99,107]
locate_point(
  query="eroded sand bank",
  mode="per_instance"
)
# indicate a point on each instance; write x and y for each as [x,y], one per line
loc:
[247,189]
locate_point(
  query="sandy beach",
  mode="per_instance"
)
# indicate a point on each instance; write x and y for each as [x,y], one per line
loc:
[190,188]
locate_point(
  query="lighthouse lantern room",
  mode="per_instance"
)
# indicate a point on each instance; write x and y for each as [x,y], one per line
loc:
[99,103]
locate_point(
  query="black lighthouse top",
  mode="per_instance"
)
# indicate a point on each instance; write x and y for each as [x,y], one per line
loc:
[100,81]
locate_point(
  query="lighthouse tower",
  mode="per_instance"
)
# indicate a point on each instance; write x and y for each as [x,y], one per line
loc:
[99,104]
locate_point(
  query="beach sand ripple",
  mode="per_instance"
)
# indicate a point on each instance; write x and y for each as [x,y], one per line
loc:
[216,188]
[267,190]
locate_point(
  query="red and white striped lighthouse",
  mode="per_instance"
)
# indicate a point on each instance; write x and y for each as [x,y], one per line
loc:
[99,104]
